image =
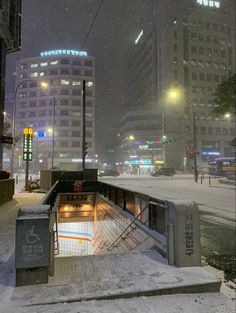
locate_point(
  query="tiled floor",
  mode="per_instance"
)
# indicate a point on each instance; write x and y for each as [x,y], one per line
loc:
[75,238]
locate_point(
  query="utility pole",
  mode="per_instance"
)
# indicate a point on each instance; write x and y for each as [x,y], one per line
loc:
[53,130]
[163,137]
[84,144]
[195,149]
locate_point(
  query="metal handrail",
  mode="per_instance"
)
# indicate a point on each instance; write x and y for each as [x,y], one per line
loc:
[132,222]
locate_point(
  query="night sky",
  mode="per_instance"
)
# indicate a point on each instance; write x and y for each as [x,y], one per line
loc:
[54,24]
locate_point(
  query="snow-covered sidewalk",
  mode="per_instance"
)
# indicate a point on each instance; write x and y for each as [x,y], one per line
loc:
[134,282]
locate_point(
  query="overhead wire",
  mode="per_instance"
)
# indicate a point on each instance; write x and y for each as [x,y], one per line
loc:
[91,26]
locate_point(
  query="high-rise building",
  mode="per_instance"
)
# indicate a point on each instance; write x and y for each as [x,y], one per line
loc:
[10,35]
[174,69]
[49,98]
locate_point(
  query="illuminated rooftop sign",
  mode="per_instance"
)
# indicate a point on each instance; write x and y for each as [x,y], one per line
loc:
[139,36]
[210,3]
[64,52]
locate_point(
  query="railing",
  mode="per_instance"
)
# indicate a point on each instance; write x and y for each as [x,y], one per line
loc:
[174,225]
[124,232]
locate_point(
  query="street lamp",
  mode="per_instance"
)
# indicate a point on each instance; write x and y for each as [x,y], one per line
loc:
[227,115]
[46,85]
[14,118]
[195,148]
[53,130]
[172,95]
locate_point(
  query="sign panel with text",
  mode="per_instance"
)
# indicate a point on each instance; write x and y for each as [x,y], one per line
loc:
[27,144]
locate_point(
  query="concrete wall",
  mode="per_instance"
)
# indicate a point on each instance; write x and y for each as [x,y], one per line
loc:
[7,188]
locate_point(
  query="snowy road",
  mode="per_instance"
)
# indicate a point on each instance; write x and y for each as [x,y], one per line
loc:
[215,200]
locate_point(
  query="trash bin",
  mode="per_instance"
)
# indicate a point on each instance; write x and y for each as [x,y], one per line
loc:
[32,245]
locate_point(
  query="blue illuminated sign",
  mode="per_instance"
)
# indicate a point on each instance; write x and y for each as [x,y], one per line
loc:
[41,133]
[63,52]
[210,153]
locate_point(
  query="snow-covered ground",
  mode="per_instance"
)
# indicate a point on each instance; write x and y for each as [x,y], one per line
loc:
[216,198]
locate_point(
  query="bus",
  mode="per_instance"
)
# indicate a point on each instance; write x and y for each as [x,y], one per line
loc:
[222,166]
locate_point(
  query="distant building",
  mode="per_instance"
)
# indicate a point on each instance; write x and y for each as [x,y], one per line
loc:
[10,31]
[54,80]
[174,68]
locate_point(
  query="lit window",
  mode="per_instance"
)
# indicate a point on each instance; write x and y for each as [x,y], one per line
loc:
[76,83]
[44,64]
[54,62]
[34,65]
[65,82]
[90,84]
[23,75]
[35,74]
[41,74]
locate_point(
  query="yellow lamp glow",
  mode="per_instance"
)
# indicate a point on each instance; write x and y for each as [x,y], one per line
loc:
[44,84]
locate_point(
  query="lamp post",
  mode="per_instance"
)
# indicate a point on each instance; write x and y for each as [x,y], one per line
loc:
[14,121]
[84,152]
[163,138]
[53,130]
[195,149]
[172,95]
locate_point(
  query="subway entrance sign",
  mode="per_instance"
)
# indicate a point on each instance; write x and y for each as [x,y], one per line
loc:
[27,144]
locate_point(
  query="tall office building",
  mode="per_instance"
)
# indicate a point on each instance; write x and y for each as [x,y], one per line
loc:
[10,35]
[49,97]
[174,68]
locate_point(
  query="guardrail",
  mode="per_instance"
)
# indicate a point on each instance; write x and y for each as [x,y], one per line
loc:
[177,220]
[174,225]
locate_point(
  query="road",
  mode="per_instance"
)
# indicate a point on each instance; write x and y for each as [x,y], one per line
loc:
[216,203]
[215,200]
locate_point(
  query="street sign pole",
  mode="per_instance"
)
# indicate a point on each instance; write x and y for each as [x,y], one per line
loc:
[27,152]
[26,174]
[195,149]
[84,126]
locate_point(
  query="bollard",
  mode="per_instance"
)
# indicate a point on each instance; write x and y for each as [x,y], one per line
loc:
[209,180]
[17,179]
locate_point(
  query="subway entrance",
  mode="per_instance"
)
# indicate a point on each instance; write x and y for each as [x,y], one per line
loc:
[75,219]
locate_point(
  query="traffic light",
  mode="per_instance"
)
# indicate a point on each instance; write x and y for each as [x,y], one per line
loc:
[85,149]
[190,153]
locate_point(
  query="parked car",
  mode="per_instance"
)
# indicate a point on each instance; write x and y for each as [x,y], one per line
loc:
[109,173]
[166,171]
[4,175]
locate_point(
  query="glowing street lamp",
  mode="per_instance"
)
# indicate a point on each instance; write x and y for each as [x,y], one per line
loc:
[173,94]
[43,85]
[227,115]
[131,137]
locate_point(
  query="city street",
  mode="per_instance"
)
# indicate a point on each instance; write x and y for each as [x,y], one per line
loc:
[216,203]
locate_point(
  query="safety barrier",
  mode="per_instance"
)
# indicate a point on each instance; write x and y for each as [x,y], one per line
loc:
[128,220]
